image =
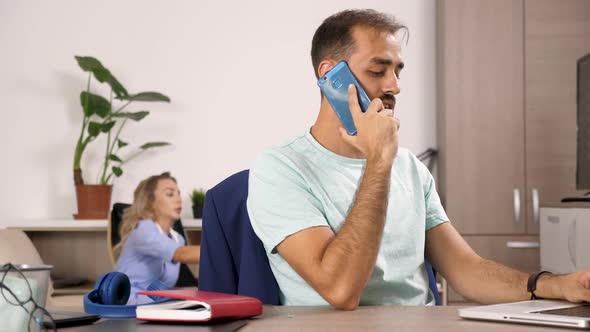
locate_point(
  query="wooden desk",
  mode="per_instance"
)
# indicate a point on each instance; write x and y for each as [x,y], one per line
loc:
[78,248]
[379,318]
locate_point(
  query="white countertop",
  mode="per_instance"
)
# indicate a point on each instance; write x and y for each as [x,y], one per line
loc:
[71,225]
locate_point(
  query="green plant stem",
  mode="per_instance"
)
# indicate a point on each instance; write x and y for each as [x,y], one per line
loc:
[105,179]
[80,146]
[115,151]
[112,147]
[109,177]
[122,107]
[119,110]
[117,136]
[133,156]
[108,145]
[106,160]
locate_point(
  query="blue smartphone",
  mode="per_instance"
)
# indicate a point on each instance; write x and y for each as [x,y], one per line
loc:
[334,85]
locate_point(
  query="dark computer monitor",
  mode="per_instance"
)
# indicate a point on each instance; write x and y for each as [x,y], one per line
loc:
[583,101]
[583,142]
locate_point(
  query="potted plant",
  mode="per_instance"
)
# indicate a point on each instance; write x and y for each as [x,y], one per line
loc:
[101,117]
[198,199]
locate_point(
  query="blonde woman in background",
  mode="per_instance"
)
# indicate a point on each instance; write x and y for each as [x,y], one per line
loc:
[150,249]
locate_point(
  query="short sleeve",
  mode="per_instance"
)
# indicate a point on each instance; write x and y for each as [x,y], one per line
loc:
[149,241]
[280,202]
[435,213]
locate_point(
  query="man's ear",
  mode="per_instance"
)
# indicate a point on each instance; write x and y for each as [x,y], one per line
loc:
[325,67]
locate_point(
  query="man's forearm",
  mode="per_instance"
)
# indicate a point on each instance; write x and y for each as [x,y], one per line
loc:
[497,283]
[350,257]
[486,281]
[489,282]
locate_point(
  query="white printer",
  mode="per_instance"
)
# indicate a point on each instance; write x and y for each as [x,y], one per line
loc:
[565,239]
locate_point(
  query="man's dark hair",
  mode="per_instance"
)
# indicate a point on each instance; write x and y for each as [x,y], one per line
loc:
[333,39]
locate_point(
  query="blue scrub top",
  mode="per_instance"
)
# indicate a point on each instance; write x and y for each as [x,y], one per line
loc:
[147,256]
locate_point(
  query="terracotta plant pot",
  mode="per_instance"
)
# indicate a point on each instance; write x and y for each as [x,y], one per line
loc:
[94,201]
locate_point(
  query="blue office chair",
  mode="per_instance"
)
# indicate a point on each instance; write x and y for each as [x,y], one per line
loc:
[432,282]
[233,259]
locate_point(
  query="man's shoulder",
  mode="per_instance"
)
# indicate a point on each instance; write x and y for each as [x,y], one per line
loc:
[293,145]
[408,164]
[283,154]
[404,152]
[405,156]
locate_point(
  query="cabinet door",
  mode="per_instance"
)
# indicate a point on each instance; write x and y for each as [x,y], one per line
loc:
[481,120]
[512,251]
[557,34]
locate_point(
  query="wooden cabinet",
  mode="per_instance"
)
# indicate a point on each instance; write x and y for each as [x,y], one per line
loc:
[507,117]
[480,119]
[557,34]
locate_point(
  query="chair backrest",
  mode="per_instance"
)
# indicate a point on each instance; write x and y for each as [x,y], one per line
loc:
[114,223]
[185,278]
[233,259]
[432,282]
[17,248]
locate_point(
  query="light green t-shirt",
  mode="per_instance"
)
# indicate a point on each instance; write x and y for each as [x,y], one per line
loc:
[302,184]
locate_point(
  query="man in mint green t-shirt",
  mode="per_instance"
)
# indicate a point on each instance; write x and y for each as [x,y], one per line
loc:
[349,220]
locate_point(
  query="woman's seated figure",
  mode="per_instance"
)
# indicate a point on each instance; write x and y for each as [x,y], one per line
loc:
[150,249]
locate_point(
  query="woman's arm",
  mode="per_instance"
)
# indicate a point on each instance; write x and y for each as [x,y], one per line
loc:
[187,254]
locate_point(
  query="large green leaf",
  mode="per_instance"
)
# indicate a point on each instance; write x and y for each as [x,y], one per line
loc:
[88,63]
[135,116]
[106,127]
[94,128]
[146,96]
[96,104]
[115,158]
[117,87]
[150,145]
[117,171]
[102,74]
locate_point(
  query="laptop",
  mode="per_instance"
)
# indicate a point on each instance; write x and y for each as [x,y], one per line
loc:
[539,312]
[67,318]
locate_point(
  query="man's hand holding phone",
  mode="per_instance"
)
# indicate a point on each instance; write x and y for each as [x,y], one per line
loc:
[377,130]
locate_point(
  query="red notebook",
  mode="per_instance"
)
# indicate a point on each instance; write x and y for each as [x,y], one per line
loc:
[198,306]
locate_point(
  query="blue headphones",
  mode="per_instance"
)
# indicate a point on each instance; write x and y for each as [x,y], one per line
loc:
[111,293]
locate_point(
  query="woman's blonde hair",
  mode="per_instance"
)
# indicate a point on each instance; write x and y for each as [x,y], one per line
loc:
[142,208]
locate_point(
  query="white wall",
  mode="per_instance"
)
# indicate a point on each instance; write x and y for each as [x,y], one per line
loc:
[238,72]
